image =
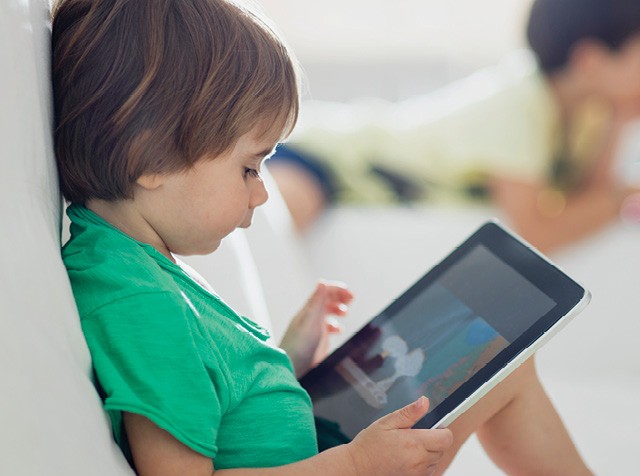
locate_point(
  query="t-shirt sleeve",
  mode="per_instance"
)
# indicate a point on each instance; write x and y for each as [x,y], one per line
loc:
[145,355]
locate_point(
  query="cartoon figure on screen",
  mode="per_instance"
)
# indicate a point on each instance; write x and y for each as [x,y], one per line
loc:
[407,364]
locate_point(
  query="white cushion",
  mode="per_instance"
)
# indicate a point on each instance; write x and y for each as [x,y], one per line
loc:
[51,419]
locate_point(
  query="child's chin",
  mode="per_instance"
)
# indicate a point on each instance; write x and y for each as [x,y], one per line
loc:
[247,221]
[213,247]
[204,249]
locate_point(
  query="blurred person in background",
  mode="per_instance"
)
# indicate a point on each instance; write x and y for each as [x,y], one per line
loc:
[536,135]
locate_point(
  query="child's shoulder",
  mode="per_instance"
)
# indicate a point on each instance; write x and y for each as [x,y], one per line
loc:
[105,265]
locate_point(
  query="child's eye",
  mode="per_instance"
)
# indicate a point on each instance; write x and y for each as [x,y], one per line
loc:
[249,172]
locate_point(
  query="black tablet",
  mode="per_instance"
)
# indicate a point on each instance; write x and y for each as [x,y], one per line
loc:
[452,336]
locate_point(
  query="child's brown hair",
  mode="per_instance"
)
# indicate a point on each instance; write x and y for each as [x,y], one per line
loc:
[152,86]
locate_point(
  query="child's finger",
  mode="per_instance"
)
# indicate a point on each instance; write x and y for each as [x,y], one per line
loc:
[317,296]
[406,416]
[333,326]
[333,283]
[336,308]
[342,294]
[338,291]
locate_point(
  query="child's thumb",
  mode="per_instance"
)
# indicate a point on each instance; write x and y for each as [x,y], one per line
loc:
[316,299]
[407,416]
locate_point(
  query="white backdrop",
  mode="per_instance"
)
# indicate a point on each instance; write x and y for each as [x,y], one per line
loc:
[395,49]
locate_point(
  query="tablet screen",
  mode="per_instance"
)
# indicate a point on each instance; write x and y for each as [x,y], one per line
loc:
[432,341]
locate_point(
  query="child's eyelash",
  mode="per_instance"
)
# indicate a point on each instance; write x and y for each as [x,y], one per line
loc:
[249,172]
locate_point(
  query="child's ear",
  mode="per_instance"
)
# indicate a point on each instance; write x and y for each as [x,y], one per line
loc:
[151,181]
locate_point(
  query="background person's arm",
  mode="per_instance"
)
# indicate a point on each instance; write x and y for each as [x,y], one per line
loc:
[302,192]
[549,219]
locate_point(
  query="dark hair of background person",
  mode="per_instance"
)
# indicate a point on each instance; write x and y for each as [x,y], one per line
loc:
[556,26]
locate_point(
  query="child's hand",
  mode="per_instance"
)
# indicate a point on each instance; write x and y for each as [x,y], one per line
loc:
[307,338]
[390,446]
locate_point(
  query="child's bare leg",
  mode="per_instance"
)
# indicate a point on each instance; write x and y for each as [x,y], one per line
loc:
[519,429]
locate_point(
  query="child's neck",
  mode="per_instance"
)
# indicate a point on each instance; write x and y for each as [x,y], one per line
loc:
[126,217]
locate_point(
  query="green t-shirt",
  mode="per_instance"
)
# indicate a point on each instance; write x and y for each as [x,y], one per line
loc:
[166,348]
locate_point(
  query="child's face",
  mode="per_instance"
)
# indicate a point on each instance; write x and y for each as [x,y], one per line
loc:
[193,210]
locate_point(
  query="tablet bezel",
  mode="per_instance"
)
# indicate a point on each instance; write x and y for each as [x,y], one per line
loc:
[570,298]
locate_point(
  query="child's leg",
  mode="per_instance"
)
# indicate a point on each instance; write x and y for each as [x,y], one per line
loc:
[519,429]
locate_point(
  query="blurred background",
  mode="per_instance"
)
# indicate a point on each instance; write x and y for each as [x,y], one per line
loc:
[394,50]
[350,49]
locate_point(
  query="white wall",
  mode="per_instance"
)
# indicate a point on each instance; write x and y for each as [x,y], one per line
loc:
[394,49]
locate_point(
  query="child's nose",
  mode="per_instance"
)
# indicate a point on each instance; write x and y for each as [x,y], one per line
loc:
[260,194]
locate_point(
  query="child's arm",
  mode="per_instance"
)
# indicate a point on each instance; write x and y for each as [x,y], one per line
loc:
[387,448]
[307,338]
